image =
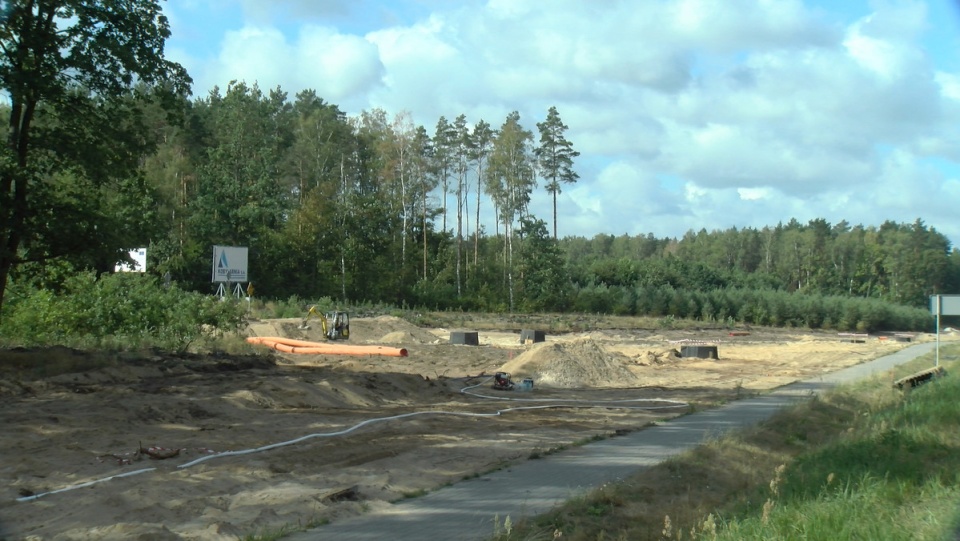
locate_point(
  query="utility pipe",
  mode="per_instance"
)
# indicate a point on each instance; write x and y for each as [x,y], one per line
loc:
[289,345]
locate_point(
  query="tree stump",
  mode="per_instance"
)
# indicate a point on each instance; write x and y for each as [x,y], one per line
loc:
[700,352]
[467,338]
[530,336]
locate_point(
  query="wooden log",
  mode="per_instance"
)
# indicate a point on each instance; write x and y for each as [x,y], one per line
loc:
[919,378]
[467,338]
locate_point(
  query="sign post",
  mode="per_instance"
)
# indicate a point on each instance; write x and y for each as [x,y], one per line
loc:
[229,266]
[939,309]
[943,305]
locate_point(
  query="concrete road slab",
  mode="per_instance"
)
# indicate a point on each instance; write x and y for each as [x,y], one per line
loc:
[467,510]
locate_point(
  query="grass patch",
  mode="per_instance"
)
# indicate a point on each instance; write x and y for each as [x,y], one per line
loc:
[862,462]
[409,495]
[283,531]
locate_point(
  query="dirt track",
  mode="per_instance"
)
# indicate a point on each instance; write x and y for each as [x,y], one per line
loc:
[84,426]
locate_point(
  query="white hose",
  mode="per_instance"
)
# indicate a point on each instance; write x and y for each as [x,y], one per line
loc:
[566,403]
[586,403]
[82,485]
[569,403]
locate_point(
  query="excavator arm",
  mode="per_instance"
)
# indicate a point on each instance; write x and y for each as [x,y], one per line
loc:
[335,324]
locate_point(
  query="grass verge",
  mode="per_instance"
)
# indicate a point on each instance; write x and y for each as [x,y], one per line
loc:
[862,462]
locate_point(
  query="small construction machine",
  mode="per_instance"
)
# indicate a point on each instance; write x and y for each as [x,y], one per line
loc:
[335,324]
[502,381]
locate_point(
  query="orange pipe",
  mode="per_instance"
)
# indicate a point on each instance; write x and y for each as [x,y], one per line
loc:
[289,345]
[287,341]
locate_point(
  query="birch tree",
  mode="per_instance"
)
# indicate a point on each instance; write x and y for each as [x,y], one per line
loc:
[510,181]
[444,139]
[461,160]
[481,144]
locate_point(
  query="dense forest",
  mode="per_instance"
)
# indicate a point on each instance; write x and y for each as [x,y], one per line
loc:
[371,207]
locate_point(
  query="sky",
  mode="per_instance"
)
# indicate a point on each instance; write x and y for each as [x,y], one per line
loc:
[688,114]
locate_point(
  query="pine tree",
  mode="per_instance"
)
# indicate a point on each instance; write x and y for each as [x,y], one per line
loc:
[555,156]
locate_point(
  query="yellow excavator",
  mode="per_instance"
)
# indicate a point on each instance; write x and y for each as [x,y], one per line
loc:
[335,324]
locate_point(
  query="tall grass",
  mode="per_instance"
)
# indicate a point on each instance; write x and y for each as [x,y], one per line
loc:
[894,476]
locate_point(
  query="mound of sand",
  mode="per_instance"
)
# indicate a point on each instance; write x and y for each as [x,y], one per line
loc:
[389,329]
[400,337]
[375,330]
[575,364]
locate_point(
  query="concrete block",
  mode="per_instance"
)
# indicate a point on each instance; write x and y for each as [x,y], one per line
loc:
[467,338]
[530,336]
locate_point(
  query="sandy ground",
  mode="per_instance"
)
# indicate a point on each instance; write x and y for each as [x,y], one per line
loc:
[344,434]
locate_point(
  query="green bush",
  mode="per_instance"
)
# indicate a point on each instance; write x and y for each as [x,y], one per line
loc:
[128,309]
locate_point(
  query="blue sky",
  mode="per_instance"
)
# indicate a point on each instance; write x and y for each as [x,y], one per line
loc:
[688,114]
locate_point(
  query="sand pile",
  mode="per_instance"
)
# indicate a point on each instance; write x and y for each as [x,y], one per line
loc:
[574,364]
[375,330]
[400,337]
[390,330]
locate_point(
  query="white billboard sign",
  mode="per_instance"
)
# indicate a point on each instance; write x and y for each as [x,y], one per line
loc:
[943,305]
[139,257]
[949,305]
[229,264]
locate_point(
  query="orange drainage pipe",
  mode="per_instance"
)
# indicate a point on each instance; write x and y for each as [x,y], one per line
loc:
[289,345]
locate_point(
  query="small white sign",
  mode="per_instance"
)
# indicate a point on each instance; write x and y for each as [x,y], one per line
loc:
[139,257]
[229,264]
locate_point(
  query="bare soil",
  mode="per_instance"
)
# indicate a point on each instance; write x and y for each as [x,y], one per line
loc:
[268,440]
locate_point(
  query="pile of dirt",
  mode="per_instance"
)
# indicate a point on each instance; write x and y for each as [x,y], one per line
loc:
[375,330]
[400,337]
[573,364]
[392,330]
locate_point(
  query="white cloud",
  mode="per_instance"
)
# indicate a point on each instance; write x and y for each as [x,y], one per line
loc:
[883,41]
[253,54]
[338,66]
[756,110]
[755,194]
[949,84]
[734,25]
[623,197]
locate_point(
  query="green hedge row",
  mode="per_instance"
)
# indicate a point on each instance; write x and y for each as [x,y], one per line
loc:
[120,310]
[754,307]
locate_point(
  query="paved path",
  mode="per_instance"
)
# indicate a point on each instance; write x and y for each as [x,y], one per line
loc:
[466,511]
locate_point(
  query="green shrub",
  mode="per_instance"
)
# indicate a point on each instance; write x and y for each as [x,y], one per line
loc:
[116,309]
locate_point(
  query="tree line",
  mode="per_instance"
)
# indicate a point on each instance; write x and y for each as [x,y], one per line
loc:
[353,208]
[106,152]
[899,263]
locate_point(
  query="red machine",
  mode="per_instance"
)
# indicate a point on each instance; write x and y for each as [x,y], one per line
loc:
[502,382]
